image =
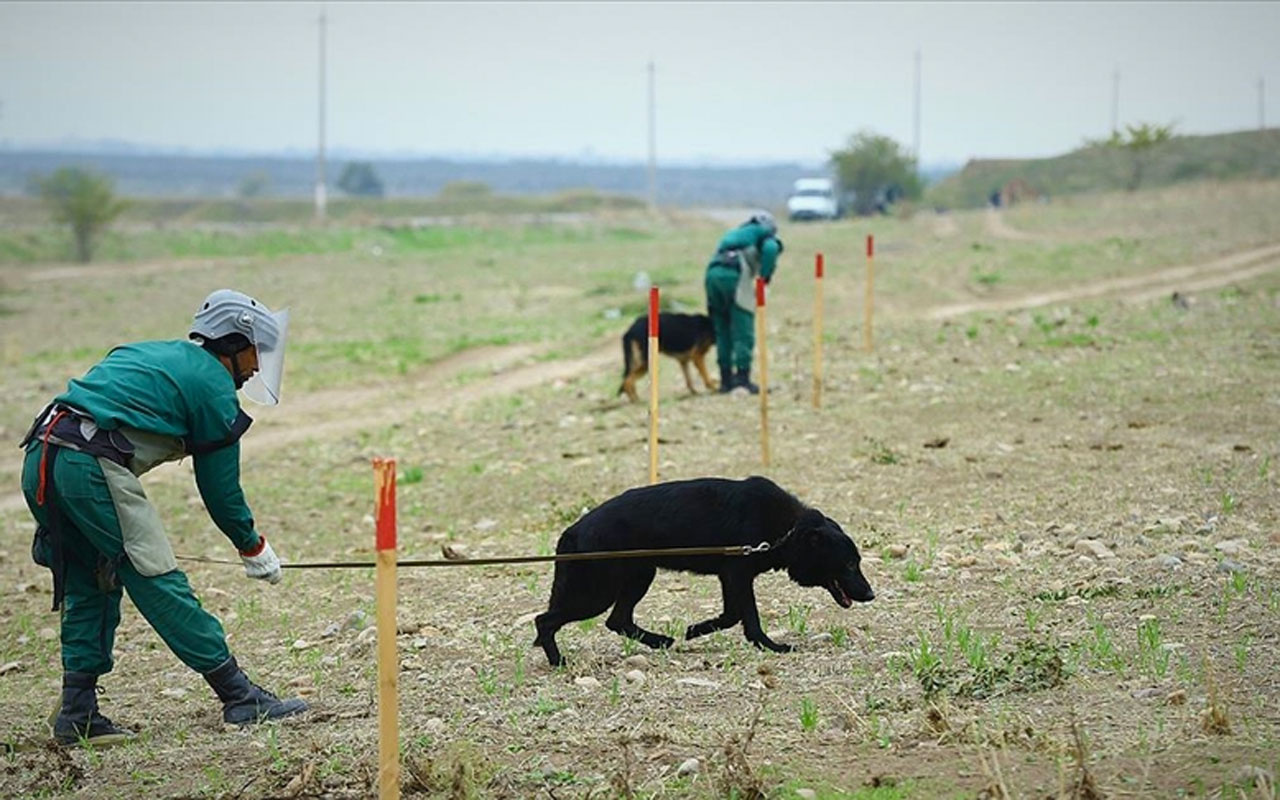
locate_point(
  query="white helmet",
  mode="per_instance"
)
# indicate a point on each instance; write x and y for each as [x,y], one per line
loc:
[765,220]
[227,312]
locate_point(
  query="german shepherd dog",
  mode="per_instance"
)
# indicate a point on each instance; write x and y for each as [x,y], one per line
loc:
[705,512]
[684,337]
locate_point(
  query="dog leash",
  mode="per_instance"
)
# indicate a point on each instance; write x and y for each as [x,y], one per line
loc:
[595,555]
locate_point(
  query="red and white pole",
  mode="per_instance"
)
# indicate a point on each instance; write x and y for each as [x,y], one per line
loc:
[868,298]
[817,330]
[384,482]
[653,384]
[762,331]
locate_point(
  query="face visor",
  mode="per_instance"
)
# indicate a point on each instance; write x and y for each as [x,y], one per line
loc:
[270,332]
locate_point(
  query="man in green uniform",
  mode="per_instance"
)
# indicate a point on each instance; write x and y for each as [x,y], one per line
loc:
[745,253]
[142,405]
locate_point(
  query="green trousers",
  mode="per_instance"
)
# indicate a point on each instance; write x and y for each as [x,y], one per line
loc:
[90,613]
[735,326]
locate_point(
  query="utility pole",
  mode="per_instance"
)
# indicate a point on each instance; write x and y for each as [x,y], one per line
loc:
[1262,103]
[916,124]
[653,147]
[320,183]
[1115,101]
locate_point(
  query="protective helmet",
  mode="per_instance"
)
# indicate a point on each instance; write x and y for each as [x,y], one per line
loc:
[765,220]
[227,312]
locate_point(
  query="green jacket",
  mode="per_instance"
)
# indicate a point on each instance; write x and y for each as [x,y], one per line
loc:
[746,252]
[172,399]
[759,247]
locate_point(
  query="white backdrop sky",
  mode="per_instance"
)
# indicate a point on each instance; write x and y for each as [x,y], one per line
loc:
[736,82]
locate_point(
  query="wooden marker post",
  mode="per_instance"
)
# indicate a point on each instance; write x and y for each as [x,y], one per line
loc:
[384,482]
[762,331]
[653,384]
[817,331]
[868,299]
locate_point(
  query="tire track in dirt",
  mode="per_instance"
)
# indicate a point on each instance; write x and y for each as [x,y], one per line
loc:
[340,412]
[1136,288]
[96,271]
[997,227]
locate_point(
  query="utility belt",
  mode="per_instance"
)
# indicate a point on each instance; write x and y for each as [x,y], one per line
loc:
[727,258]
[56,427]
[69,427]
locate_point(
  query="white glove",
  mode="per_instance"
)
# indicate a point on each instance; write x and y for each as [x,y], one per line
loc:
[262,563]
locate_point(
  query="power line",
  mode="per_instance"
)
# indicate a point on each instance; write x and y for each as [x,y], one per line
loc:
[1262,103]
[1115,100]
[916,122]
[653,144]
[320,178]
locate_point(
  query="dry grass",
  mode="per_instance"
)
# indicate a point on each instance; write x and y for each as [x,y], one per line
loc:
[1145,428]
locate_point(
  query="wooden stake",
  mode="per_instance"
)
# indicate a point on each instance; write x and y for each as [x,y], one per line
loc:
[384,481]
[653,384]
[868,299]
[762,337]
[817,331]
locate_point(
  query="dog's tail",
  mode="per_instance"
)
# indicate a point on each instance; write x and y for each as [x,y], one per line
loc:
[626,361]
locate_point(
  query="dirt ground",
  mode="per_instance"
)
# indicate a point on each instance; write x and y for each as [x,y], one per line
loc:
[1064,488]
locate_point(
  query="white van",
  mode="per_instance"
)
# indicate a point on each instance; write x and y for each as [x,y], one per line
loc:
[813,198]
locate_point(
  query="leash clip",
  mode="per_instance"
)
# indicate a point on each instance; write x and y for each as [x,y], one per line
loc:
[747,549]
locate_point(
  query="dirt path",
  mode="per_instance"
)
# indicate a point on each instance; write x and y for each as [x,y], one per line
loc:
[997,227]
[1137,288]
[340,412]
[159,267]
[944,226]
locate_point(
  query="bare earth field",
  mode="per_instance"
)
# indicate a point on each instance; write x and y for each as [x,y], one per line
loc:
[1062,477]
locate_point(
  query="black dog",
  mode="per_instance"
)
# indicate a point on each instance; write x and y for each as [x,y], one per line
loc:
[706,512]
[684,337]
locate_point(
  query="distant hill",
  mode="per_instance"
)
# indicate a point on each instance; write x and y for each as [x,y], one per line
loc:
[169,175]
[1096,168]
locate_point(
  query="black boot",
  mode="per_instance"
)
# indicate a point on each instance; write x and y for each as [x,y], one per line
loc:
[243,701]
[78,721]
[726,380]
[743,379]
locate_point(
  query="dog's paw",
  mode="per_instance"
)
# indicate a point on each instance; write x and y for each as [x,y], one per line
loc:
[769,644]
[659,642]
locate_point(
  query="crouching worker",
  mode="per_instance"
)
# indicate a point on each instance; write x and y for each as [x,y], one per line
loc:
[745,253]
[142,405]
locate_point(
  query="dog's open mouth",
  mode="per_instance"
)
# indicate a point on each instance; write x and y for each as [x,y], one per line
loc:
[838,592]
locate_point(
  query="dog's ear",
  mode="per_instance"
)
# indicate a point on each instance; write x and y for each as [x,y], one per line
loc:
[809,522]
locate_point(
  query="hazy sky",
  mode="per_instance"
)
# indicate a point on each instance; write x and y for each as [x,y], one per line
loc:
[735,81]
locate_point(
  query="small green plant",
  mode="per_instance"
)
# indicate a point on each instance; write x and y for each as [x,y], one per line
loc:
[615,691]
[1032,615]
[412,475]
[588,624]
[798,618]
[1229,503]
[1264,468]
[971,332]
[545,705]
[986,278]
[488,679]
[1239,584]
[913,572]
[808,714]
[838,635]
[1241,651]
[882,454]
[1151,650]
[1101,649]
